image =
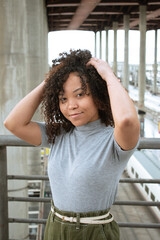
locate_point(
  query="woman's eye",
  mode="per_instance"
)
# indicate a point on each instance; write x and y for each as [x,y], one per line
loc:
[80,94]
[63,100]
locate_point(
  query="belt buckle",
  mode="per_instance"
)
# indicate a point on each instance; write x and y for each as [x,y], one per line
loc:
[52,213]
[78,221]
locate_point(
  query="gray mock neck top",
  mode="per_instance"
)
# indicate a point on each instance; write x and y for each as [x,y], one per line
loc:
[84,167]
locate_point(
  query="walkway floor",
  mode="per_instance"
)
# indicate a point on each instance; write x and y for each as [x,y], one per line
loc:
[151,102]
[137,214]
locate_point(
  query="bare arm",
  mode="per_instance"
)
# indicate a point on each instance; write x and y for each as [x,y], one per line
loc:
[127,126]
[19,120]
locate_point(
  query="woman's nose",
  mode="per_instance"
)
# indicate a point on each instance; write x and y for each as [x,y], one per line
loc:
[72,104]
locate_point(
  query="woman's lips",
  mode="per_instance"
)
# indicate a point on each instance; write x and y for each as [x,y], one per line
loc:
[75,115]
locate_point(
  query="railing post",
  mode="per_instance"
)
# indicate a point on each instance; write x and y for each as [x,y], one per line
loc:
[3,194]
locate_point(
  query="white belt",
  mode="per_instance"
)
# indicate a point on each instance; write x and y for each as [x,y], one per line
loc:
[87,220]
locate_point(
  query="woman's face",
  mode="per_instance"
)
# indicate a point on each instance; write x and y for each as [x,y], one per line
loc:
[76,105]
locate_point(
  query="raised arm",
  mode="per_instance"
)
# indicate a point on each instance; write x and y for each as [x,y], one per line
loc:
[19,119]
[127,126]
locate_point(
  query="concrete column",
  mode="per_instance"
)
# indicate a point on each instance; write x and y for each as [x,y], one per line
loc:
[142,66]
[13,83]
[36,59]
[95,44]
[106,29]
[115,26]
[23,64]
[100,44]
[37,67]
[126,52]
[155,65]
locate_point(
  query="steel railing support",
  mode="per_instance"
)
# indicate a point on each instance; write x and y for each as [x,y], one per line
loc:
[3,195]
[145,143]
[121,224]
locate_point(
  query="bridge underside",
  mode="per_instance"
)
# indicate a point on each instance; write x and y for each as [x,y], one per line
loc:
[96,15]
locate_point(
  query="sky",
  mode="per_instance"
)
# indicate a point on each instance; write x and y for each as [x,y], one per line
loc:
[61,41]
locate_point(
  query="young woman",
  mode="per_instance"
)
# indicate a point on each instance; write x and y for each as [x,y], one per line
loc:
[92,129]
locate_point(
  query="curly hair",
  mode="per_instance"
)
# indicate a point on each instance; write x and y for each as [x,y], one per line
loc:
[74,61]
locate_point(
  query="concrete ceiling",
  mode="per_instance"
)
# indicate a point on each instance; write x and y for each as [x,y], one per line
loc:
[95,15]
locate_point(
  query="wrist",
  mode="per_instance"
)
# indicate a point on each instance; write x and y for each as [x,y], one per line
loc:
[111,79]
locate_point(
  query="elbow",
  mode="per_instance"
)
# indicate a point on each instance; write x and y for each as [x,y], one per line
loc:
[128,132]
[8,125]
[131,124]
[5,123]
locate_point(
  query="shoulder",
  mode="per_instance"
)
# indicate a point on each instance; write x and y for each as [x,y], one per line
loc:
[44,138]
[108,138]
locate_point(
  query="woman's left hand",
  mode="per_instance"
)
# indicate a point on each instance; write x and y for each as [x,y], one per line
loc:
[102,68]
[126,122]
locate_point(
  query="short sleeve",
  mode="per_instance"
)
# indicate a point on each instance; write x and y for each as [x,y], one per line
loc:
[124,155]
[44,139]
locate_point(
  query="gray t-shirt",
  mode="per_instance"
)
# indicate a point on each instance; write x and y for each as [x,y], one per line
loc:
[84,167]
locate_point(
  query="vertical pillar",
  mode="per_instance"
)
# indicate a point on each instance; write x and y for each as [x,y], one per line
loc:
[36,65]
[95,44]
[23,63]
[12,81]
[155,65]
[142,66]
[100,44]
[126,65]
[106,29]
[115,26]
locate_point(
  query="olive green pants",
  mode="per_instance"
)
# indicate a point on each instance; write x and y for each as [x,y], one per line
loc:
[57,229]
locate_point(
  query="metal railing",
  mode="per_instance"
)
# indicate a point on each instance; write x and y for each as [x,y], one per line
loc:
[9,140]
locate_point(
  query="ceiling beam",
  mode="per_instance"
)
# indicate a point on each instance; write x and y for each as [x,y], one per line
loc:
[153,3]
[62,5]
[129,3]
[107,13]
[150,16]
[61,14]
[82,12]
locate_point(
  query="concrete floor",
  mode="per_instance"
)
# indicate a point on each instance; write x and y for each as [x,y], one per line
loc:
[135,214]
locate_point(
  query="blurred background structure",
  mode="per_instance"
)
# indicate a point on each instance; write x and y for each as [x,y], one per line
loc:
[24,27]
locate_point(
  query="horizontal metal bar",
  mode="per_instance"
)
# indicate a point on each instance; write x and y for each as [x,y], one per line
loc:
[139,180]
[139,225]
[149,143]
[24,177]
[29,199]
[45,178]
[11,140]
[38,199]
[137,203]
[27,220]
[43,221]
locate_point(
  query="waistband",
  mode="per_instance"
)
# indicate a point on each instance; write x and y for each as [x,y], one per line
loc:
[97,217]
